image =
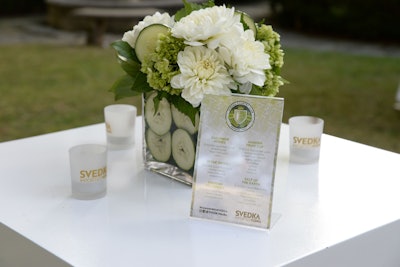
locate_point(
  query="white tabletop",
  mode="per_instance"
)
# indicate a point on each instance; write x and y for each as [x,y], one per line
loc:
[353,193]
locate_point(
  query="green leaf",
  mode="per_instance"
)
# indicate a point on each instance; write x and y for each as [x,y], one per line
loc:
[123,87]
[129,66]
[124,50]
[127,86]
[256,90]
[160,95]
[185,107]
[140,84]
[244,23]
[189,7]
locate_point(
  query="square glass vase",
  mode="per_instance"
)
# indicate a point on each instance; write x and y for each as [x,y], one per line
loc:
[169,139]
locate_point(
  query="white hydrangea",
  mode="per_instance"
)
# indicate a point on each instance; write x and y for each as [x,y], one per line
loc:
[157,18]
[202,72]
[246,59]
[209,26]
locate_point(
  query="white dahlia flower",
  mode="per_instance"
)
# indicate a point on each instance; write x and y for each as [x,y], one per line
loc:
[209,26]
[246,59]
[202,71]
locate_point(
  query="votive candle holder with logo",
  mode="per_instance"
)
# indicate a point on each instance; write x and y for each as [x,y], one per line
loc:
[305,134]
[120,125]
[88,163]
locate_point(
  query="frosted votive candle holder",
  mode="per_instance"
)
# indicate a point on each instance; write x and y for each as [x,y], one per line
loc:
[88,165]
[120,125]
[305,138]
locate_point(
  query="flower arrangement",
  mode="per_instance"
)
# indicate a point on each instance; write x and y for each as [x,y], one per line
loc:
[202,49]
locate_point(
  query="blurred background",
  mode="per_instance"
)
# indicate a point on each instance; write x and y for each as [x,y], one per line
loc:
[342,59]
[360,19]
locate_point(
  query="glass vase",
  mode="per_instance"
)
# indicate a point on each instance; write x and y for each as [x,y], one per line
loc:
[169,140]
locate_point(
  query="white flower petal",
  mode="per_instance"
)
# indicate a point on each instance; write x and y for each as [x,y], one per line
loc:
[246,59]
[202,72]
[209,26]
[245,88]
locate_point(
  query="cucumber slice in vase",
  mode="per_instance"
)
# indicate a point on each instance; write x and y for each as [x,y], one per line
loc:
[183,149]
[159,121]
[146,41]
[183,121]
[159,146]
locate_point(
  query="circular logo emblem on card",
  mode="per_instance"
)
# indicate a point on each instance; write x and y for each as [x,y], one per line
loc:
[240,116]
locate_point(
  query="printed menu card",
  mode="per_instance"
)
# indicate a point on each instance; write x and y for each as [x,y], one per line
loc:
[236,158]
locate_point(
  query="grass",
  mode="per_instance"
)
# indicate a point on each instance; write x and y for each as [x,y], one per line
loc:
[49,88]
[353,94]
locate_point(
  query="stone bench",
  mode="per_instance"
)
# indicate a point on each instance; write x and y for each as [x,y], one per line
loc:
[100,16]
[120,15]
[111,15]
[59,12]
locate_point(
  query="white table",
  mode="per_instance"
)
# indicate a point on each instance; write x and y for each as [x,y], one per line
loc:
[342,211]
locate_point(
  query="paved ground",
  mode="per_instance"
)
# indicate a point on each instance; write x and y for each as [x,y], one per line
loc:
[35,30]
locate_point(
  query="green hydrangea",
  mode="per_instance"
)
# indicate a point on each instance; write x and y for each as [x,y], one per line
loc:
[162,65]
[272,46]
